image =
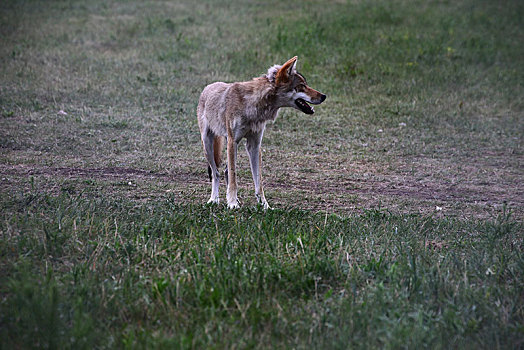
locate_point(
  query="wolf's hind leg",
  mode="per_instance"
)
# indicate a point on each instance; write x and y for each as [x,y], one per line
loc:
[232,198]
[208,140]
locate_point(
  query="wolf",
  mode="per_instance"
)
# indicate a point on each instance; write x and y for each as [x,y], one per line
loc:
[229,112]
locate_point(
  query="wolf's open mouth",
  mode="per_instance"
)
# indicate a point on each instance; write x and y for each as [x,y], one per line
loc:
[303,106]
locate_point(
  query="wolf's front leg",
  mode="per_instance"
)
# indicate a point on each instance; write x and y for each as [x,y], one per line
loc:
[232,199]
[253,148]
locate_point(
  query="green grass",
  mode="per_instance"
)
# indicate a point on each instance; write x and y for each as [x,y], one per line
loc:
[93,273]
[399,203]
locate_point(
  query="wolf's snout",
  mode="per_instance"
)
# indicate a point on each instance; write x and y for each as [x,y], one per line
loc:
[319,101]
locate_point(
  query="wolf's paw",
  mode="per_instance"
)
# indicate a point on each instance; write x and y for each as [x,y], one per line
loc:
[261,200]
[233,205]
[265,205]
[213,201]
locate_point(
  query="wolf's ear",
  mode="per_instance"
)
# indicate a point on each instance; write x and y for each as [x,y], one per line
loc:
[285,71]
[293,66]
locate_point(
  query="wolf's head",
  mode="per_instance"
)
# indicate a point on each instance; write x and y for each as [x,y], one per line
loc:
[292,89]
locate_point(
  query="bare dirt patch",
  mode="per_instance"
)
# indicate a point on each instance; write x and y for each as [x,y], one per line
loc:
[109,173]
[334,193]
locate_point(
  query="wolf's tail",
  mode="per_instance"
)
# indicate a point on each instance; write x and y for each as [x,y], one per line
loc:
[218,145]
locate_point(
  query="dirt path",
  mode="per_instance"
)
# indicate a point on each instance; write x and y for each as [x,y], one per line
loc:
[404,193]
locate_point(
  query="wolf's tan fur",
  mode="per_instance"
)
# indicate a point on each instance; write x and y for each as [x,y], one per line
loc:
[241,110]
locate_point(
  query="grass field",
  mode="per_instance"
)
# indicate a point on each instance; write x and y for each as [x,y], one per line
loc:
[399,204]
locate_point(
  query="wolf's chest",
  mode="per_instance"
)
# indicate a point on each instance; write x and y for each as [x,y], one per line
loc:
[256,118]
[252,123]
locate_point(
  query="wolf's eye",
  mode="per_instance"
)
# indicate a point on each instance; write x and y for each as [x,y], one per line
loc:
[300,87]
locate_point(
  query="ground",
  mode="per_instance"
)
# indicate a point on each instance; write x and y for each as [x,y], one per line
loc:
[399,204]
